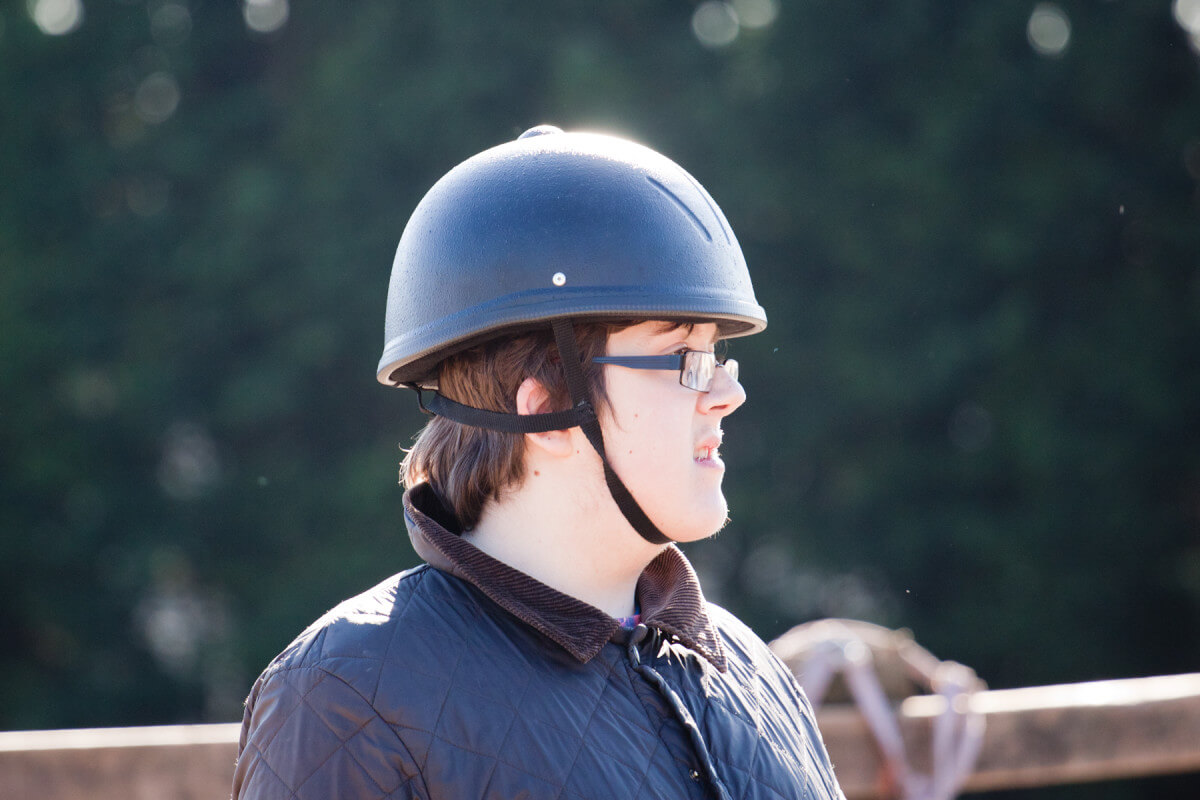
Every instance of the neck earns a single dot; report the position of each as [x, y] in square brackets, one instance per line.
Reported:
[564, 533]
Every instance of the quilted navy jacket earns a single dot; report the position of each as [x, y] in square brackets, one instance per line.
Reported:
[464, 678]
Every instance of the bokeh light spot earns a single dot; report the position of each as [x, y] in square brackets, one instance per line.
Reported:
[189, 465]
[170, 24]
[756, 13]
[56, 17]
[90, 392]
[181, 621]
[1049, 30]
[715, 23]
[1187, 14]
[265, 16]
[156, 98]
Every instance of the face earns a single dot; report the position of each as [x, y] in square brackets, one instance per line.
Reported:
[662, 437]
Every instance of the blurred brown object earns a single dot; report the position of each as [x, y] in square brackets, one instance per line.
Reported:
[875, 668]
[1037, 736]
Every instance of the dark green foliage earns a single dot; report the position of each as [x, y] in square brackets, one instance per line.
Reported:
[974, 413]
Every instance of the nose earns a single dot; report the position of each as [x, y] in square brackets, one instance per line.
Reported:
[723, 397]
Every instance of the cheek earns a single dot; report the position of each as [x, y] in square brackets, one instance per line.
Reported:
[655, 443]
[648, 420]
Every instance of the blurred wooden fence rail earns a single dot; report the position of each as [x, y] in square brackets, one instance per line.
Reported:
[170, 762]
[1035, 737]
[1041, 736]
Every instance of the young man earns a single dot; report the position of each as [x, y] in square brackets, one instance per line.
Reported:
[556, 301]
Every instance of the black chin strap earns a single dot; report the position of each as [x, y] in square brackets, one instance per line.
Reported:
[581, 413]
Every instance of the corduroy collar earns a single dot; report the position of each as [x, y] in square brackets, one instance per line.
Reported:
[668, 592]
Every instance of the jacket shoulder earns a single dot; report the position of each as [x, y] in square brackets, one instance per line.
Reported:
[307, 733]
[752, 661]
[357, 638]
[736, 634]
[312, 717]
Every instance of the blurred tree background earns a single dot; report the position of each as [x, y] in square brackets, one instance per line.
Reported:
[975, 413]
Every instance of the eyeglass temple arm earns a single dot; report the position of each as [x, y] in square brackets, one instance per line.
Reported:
[674, 361]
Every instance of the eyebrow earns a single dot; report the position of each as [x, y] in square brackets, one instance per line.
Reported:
[668, 326]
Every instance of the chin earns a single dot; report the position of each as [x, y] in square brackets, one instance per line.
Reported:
[700, 526]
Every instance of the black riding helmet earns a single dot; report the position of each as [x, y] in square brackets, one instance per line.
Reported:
[549, 229]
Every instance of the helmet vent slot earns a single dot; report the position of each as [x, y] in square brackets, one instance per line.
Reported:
[683, 206]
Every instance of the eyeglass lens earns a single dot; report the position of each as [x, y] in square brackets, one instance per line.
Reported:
[700, 367]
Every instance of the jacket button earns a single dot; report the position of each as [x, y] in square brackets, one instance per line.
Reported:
[695, 775]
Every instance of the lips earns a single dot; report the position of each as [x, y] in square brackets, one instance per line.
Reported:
[706, 450]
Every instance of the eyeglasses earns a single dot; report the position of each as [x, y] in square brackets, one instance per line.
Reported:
[697, 368]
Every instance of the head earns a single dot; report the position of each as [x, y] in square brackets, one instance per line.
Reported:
[551, 231]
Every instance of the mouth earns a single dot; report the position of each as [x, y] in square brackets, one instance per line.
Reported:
[707, 451]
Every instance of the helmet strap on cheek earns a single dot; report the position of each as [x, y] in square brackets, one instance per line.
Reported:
[564, 337]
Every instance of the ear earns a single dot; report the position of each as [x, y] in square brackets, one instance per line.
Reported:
[532, 398]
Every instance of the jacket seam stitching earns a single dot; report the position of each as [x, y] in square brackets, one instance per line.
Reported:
[582, 741]
[375, 713]
[511, 724]
[261, 751]
[393, 617]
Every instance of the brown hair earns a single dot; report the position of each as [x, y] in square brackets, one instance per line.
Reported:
[467, 466]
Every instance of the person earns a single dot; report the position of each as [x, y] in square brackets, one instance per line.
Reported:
[556, 303]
